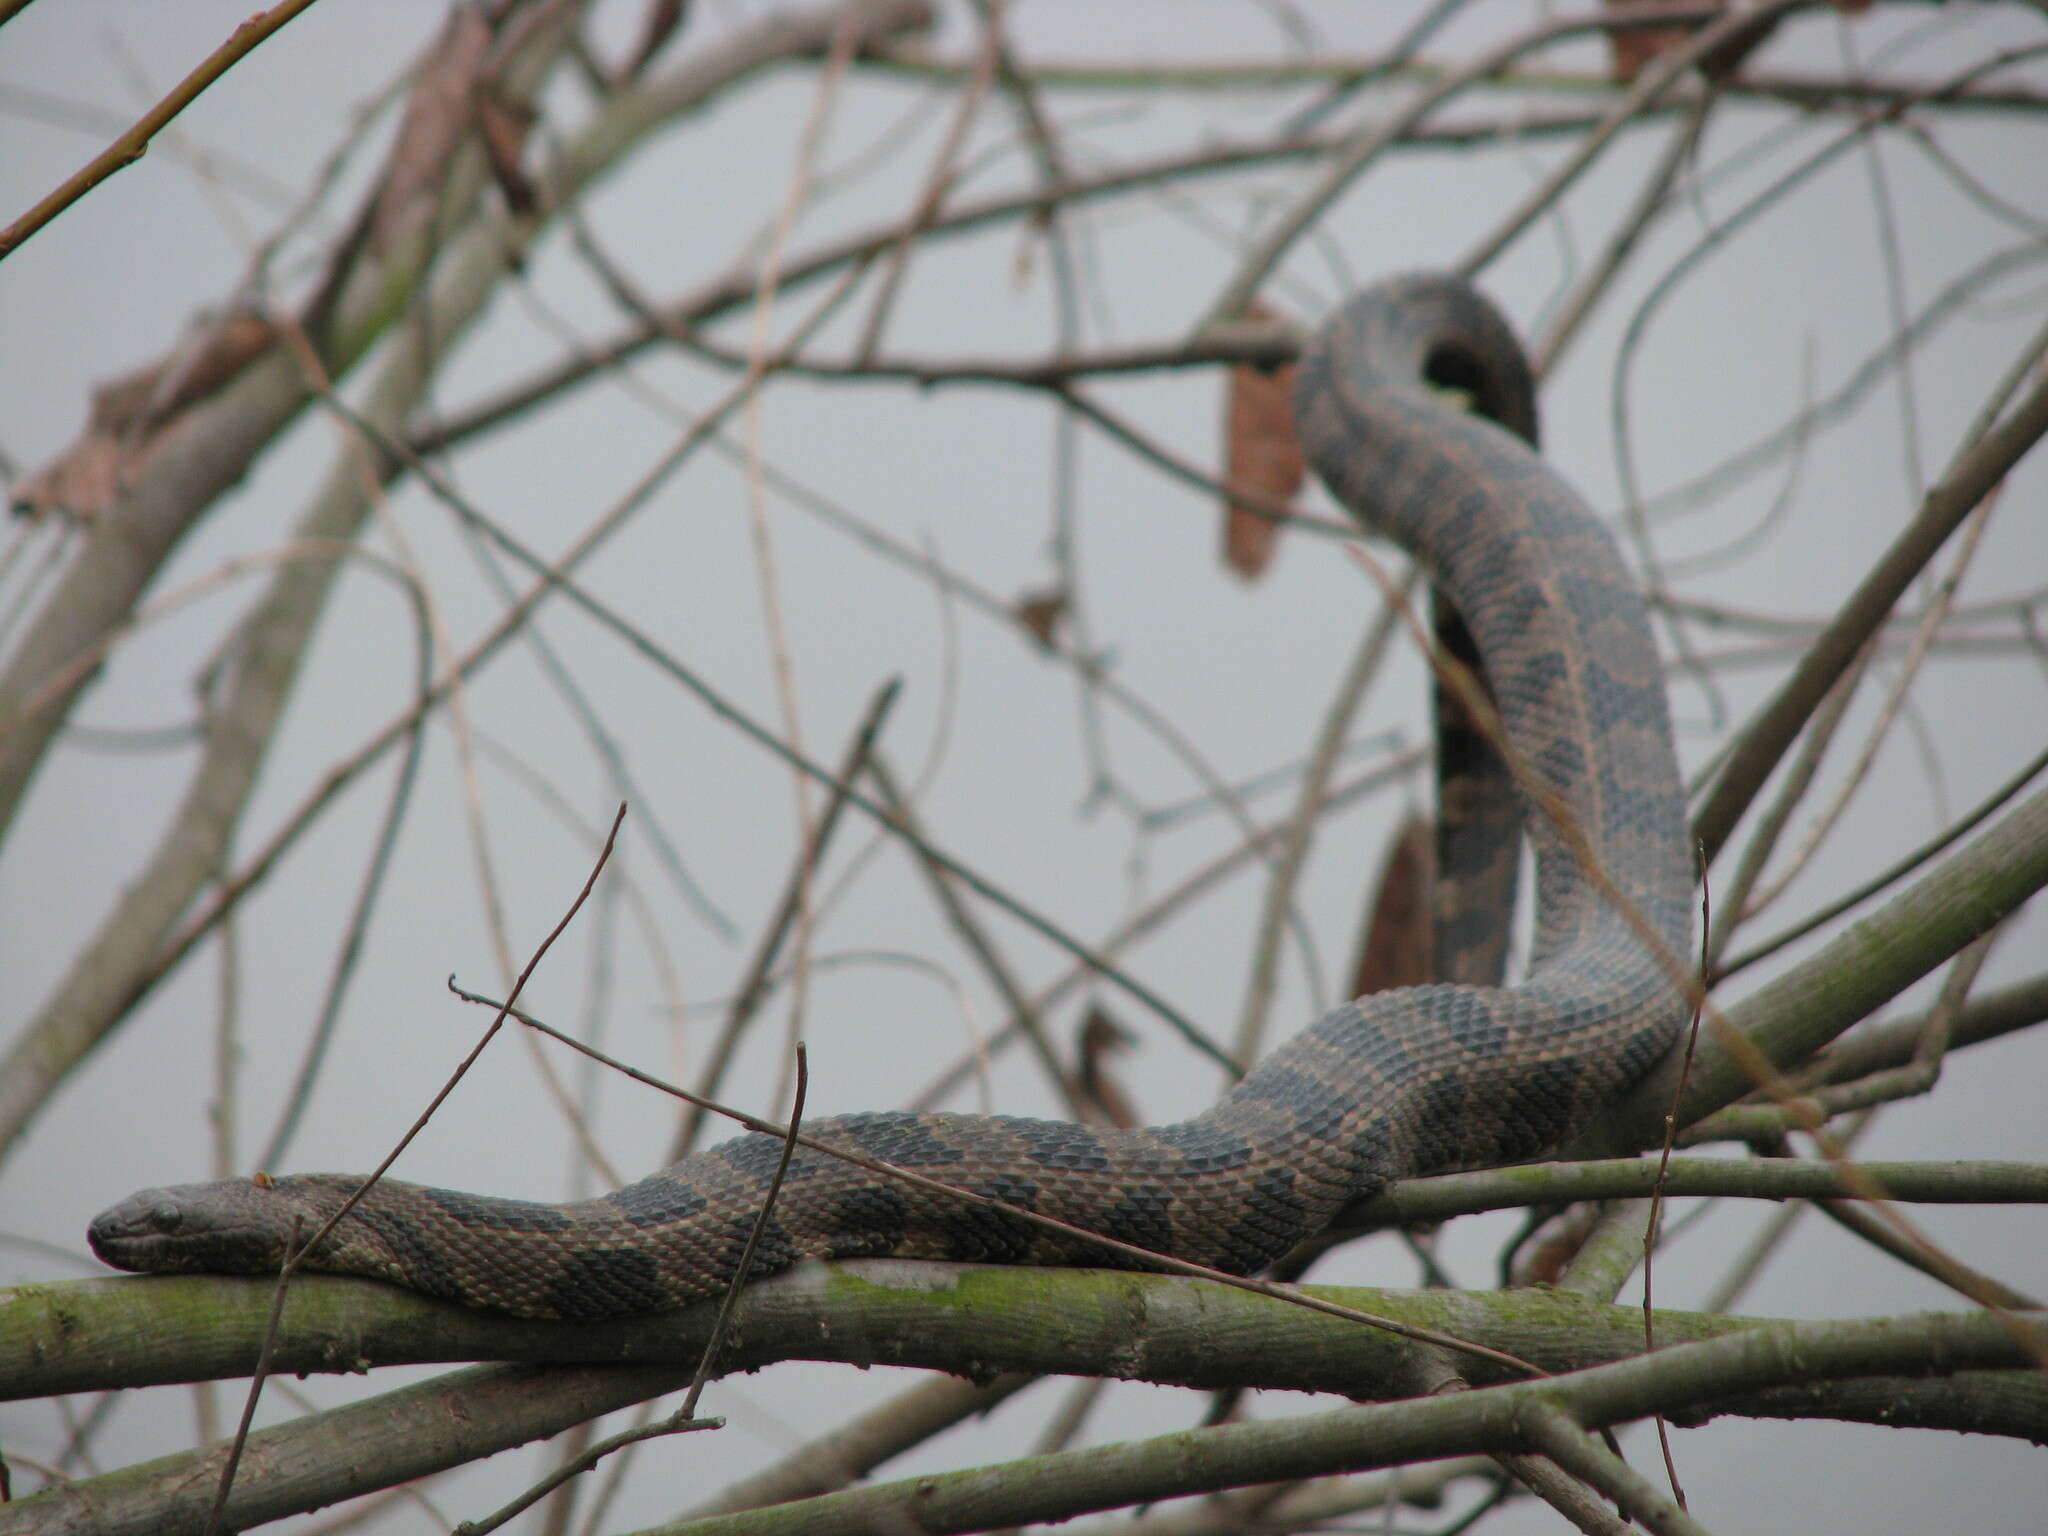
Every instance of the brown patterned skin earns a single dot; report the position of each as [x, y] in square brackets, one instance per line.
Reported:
[1397, 1084]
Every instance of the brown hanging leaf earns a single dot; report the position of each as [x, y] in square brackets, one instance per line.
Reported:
[662, 19]
[1394, 950]
[1042, 613]
[1632, 50]
[503, 128]
[129, 415]
[1103, 1100]
[1261, 456]
[1545, 1261]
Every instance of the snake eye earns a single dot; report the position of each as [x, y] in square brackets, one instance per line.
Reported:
[166, 1217]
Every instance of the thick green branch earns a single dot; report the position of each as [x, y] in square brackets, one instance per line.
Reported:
[1779, 722]
[1060, 1486]
[971, 1320]
[1874, 960]
[1460, 1194]
[979, 1321]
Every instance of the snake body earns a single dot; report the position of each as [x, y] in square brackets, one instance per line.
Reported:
[1397, 1084]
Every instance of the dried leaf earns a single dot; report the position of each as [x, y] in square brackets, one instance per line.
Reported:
[1633, 50]
[1261, 456]
[663, 17]
[1545, 1261]
[1724, 61]
[1104, 1101]
[129, 414]
[1394, 949]
[503, 128]
[1042, 613]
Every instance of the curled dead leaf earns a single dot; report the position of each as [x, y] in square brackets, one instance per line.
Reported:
[1261, 456]
[1041, 613]
[503, 127]
[659, 24]
[1394, 949]
[1632, 50]
[130, 413]
[1103, 1099]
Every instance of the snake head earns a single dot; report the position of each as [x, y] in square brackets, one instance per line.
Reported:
[232, 1227]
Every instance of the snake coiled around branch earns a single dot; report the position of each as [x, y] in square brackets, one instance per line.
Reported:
[1397, 1084]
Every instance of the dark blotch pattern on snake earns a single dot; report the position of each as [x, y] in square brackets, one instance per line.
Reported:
[1400, 1083]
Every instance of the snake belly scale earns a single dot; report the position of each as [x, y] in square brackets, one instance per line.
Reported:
[1397, 1084]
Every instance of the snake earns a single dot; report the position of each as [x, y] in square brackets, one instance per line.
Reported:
[1394, 1085]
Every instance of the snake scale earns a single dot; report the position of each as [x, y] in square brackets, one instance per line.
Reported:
[1400, 1083]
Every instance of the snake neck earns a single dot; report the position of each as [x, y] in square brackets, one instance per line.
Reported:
[1560, 626]
[474, 1250]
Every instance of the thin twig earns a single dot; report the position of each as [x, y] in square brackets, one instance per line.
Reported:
[295, 1252]
[753, 987]
[1792, 788]
[722, 1324]
[937, 184]
[1365, 146]
[264, 1353]
[1656, 1216]
[134, 144]
[685, 1418]
[1651, 85]
[1281, 882]
[1261, 844]
[1565, 1441]
[1933, 612]
[383, 848]
[1026, 1019]
[1594, 283]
